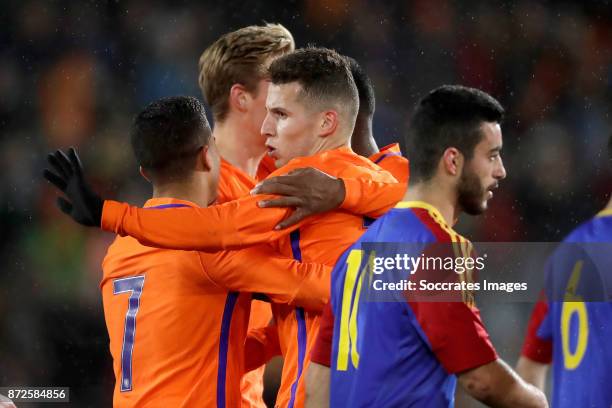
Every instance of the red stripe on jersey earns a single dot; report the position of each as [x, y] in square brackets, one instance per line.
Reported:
[322, 350]
[455, 333]
[436, 229]
[536, 348]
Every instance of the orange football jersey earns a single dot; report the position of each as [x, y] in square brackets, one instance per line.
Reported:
[177, 320]
[241, 223]
[233, 184]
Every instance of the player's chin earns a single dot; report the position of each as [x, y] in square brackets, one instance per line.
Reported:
[279, 161]
[475, 207]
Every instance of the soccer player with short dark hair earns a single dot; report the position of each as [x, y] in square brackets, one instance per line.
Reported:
[574, 333]
[177, 320]
[407, 353]
[362, 141]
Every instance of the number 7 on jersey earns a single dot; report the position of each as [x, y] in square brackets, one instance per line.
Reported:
[132, 285]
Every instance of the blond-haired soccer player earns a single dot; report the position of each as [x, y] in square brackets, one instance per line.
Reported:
[232, 77]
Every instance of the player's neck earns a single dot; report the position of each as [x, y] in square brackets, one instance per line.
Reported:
[362, 141]
[237, 147]
[436, 196]
[195, 192]
[329, 143]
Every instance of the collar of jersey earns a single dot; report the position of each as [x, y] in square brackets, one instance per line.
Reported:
[420, 204]
[229, 166]
[337, 150]
[605, 213]
[154, 202]
[391, 148]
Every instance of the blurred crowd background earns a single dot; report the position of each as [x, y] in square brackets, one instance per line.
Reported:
[75, 72]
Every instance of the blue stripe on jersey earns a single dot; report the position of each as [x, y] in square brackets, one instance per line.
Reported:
[384, 156]
[301, 321]
[295, 245]
[162, 206]
[299, 315]
[396, 366]
[228, 311]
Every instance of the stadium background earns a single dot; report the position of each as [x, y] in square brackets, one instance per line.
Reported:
[74, 73]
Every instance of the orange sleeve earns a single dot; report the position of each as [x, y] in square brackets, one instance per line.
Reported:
[260, 346]
[260, 269]
[398, 166]
[232, 225]
[372, 197]
[390, 158]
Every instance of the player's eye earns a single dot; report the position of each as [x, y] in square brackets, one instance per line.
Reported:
[278, 113]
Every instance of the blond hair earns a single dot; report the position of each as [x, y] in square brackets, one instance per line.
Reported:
[239, 57]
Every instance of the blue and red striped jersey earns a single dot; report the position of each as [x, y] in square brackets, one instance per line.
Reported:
[400, 353]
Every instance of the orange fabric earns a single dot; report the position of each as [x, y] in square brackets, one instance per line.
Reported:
[324, 238]
[186, 296]
[390, 158]
[233, 184]
[266, 167]
[372, 198]
[261, 345]
[234, 224]
[242, 223]
[231, 225]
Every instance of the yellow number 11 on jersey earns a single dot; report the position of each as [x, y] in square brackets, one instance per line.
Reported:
[347, 342]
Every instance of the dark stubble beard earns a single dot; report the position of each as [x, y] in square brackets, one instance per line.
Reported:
[471, 193]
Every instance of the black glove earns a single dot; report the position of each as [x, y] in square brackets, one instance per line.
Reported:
[83, 204]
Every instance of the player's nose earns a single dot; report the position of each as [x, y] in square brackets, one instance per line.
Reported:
[500, 170]
[267, 127]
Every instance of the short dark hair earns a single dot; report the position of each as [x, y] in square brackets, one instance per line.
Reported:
[324, 76]
[167, 133]
[367, 100]
[449, 116]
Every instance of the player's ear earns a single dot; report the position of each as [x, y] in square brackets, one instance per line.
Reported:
[205, 158]
[328, 123]
[144, 174]
[452, 161]
[239, 98]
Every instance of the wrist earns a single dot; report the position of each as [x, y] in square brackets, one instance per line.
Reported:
[351, 193]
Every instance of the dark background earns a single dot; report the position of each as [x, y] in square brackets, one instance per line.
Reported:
[74, 73]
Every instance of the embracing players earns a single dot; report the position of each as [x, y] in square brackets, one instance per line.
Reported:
[177, 320]
[311, 109]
